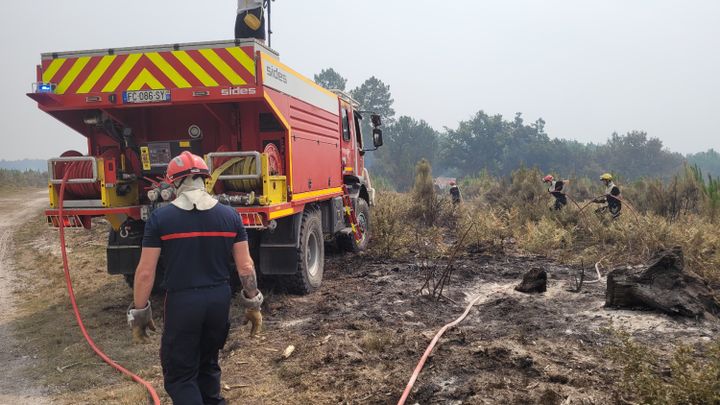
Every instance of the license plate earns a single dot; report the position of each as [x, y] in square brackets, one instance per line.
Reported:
[146, 96]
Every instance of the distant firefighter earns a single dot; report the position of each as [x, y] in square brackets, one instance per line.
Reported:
[612, 197]
[557, 189]
[455, 193]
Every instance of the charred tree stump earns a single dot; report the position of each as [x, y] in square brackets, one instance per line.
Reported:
[662, 284]
[534, 281]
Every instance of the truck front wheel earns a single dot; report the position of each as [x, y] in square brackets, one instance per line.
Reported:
[310, 254]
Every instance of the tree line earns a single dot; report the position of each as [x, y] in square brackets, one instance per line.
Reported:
[27, 178]
[497, 145]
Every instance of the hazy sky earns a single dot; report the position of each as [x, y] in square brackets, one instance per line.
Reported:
[587, 67]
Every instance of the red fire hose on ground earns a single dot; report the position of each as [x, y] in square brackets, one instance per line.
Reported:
[430, 348]
[103, 356]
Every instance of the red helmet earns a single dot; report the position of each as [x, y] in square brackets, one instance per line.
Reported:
[548, 178]
[186, 164]
[452, 182]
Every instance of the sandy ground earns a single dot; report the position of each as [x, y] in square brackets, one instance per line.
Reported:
[14, 387]
[356, 340]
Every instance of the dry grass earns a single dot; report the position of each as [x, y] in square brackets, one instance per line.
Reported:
[391, 215]
[514, 213]
[399, 229]
[65, 364]
[16, 180]
[376, 341]
[488, 227]
[690, 376]
[630, 240]
[678, 214]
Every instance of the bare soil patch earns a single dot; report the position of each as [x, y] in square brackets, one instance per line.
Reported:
[14, 357]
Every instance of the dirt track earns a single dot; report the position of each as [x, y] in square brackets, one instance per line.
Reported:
[357, 340]
[14, 388]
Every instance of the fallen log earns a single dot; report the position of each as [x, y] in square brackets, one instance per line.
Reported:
[662, 284]
[534, 281]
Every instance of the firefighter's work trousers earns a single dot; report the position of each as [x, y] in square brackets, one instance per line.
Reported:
[196, 327]
[560, 201]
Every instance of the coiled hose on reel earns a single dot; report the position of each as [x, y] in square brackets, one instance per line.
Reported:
[77, 170]
[246, 165]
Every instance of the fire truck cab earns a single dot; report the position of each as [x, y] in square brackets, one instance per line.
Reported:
[286, 153]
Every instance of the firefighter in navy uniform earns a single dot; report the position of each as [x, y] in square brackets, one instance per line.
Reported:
[557, 190]
[612, 197]
[197, 237]
[455, 195]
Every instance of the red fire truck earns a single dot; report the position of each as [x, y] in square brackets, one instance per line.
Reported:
[286, 153]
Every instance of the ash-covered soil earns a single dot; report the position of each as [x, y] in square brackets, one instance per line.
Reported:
[356, 340]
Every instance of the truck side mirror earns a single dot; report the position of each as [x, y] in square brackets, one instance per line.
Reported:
[377, 138]
[376, 120]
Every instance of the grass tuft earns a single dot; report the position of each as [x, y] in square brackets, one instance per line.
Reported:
[690, 376]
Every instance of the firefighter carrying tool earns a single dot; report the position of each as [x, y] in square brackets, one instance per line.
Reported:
[612, 197]
[556, 189]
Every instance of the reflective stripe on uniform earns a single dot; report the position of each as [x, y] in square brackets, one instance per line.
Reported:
[187, 235]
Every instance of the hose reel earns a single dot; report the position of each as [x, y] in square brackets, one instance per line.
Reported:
[242, 171]
[93, 181]
[243, 166]
[82, 175]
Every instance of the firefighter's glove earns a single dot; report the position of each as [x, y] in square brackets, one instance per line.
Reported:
[252, 311]
[254, 302]
[140, 320]
[254, 317]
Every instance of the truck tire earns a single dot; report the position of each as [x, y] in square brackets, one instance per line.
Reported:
[310, 255]
[362, 213]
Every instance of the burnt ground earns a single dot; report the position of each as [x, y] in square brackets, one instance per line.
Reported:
[356, 340]
[359, 339]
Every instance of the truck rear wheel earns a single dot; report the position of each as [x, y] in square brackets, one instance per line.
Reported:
[362, 214]
[310, 255]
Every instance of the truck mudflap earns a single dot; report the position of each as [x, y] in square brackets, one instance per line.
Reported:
[122, 259]
[278, 248]
[124, 247]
